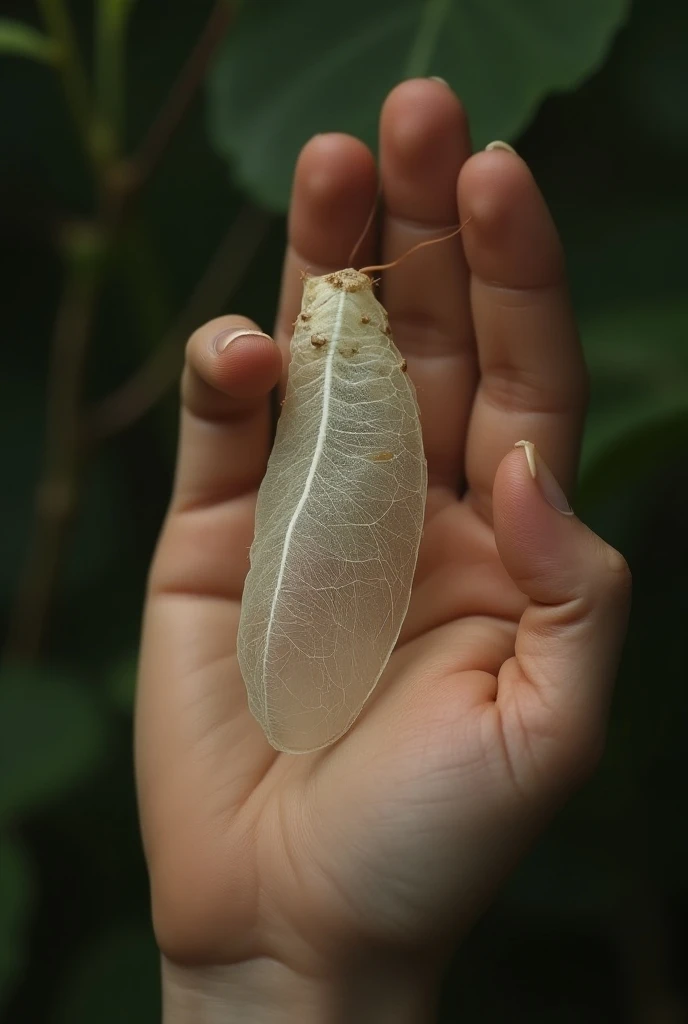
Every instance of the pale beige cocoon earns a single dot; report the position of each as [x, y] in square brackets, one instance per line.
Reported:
[338, 521]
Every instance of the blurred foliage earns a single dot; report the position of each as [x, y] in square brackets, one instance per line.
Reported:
[327, 75]
[93, 990]
[638, 411]
[21, 40]
[67, 734]
[594, 926]
[16, 899]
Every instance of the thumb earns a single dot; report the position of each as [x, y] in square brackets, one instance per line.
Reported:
[570, 636]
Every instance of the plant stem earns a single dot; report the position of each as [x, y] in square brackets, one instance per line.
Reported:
[153, 378]
[57, 489]
[85, 252]
[74, 79]
[182, 93]
[83, 247]
[111, 21]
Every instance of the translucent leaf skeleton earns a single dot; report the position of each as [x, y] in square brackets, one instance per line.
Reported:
[339, 519]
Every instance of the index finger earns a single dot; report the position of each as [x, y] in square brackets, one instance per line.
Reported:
[335, 189]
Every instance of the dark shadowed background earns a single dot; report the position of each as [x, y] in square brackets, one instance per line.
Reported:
[108, 263]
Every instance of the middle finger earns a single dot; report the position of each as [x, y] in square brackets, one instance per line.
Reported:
[424, 142]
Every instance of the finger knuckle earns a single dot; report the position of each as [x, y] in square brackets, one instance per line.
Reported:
[618, 570]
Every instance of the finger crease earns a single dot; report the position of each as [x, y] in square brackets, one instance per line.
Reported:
[240, 487]
[420, 335]
[421, 226]
[529, 293]
[227, 415]
[511, 394]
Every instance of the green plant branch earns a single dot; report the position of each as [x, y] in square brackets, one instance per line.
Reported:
[151, 151]
[56, 498]
[74, 79]
[83, 248]
[111, 20]
[86, 251]
[20, 40]
[158, 373]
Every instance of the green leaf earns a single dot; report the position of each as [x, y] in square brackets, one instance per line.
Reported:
[638, 358]
[117, 978]
[52, 735]
[16, 903]
[289, 70]
[20, 40]
[652, 75]
[628, 450]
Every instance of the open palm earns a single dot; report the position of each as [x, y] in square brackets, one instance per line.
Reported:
[494, 701]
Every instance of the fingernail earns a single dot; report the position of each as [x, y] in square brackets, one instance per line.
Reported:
[223, 340]
[498, 144]
[543, 475]
[436, 78]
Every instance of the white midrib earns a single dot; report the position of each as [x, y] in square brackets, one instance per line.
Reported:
[319, 446]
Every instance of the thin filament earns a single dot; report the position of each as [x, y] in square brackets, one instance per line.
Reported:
[414, 248]
[368, 224]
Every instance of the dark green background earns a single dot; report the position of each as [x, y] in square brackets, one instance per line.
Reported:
[594, 927]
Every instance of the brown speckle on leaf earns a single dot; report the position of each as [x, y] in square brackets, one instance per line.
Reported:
[304, 316]
[318, 340]
[350, 280]
[404, 366]
[387, 330]
[365, 319]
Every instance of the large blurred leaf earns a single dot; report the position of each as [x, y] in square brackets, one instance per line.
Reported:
[115, 979]
[652, 74]
[638, 358]
[20, 40]
[52, 735]
[289, 70]
[630, 252]
[629, 448]
[16, 899]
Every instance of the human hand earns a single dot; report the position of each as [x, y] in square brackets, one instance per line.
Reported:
[299, 885]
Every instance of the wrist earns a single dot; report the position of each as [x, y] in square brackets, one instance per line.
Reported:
[265, 991]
